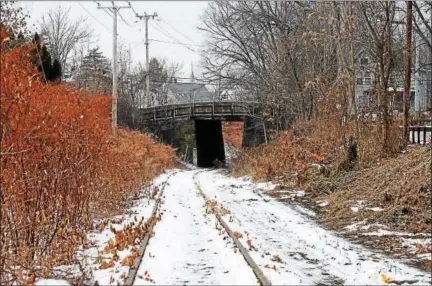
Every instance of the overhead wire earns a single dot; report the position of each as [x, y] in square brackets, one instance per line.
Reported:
[175, 43]
[124, 21]
[167, 34]
[133, 10]
[94, 17]
[175, 29]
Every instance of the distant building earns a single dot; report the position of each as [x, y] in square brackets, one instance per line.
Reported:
[172, 93]
[420, 87]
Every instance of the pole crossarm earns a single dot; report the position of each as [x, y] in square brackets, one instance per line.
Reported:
[114, 9]
[147, 17]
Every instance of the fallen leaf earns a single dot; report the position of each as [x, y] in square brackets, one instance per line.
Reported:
[128, 260]
[238, 234]
[387, 279]
[106, 265]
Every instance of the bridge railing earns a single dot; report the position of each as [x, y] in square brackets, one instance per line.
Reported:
[199, 108]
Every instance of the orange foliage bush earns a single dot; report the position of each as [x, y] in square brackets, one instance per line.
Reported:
[314, 141]
[60, 164]
[290, 152]
[233, 133]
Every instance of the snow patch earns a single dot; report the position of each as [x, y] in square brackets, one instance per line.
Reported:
[322, 203]
[267, 186]
[360, 205]
[293, 195]
[383, 232]
[49, 282]
[375, 209]
[412, 243]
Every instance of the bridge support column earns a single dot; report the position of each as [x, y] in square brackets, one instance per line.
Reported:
[253, 132]
[209, 142]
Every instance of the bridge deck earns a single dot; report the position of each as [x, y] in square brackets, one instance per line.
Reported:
[223, 110]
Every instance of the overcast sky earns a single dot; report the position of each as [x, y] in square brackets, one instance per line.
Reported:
[184, 16]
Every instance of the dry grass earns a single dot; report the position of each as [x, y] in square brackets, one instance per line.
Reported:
[398, 185]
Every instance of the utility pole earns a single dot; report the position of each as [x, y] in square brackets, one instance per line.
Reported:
[146, 18]
[408, 61]
[114, 9]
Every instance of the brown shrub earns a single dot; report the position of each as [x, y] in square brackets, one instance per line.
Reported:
[60, 164]
[321, 140]
[233, 133]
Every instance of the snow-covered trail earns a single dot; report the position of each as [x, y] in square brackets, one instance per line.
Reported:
[187, 248]
[291, 248]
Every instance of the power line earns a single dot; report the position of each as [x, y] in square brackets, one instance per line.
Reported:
[94, 17]
[125, 21]
[167, 34]
[172, 27]
[175, 43]
[133, 10]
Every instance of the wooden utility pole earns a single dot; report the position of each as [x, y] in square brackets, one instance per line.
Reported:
[146, 18]
[408, 61]
[114, 9]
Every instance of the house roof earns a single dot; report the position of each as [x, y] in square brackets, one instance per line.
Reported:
[183, 91]
[186, 87]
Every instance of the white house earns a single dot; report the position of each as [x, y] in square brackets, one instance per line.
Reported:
[419, 84]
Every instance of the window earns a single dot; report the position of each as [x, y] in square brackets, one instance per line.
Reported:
[368, 78]
[359, 81]
[364, 61]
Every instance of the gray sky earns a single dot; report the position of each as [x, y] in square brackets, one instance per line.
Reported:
[184, 16]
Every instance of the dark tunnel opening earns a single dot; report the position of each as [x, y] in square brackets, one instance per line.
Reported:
[209, 143]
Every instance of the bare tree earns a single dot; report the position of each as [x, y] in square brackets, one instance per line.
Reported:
[278, 52]
[62, 33]
[13, 17]
[379, 18]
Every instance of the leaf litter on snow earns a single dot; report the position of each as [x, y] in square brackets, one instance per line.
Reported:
[113, 244]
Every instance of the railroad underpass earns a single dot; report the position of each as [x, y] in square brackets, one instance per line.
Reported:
[209, 143]
[207, 118]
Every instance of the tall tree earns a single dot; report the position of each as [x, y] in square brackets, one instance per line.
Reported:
[63, 33]
[95, 73]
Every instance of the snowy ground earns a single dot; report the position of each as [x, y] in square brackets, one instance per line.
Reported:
[190, 248]
[288, 240]
[187, 248]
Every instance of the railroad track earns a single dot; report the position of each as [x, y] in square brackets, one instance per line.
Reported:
[134, 270]
[263, 280]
